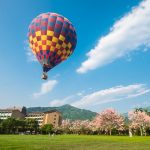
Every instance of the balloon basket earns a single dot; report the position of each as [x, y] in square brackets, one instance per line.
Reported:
[44, 76]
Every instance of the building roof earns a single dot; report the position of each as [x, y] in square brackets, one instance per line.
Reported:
[34, 113]
[10, 109]
[52, 111]
[6, 110]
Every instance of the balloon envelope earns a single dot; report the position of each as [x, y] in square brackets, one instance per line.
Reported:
[52, 39]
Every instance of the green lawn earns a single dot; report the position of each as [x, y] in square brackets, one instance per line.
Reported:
[73, 142]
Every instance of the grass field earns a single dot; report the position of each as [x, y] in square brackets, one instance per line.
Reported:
[73, 142]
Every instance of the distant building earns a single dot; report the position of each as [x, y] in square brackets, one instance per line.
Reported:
[38, 116]
[14, 112]
[53, 117]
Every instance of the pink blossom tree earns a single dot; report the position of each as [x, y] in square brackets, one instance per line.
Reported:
[109, 119]
[66, 125]
[80, 126]
[139, 120]
[76, 126]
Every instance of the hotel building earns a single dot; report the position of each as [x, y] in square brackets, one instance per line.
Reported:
[53, 117]
[14, 112]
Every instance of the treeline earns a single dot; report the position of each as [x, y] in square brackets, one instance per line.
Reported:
[107, 122]
[27, 126]
[110, 122]
[12, 126]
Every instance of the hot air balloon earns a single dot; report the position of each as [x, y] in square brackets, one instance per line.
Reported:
[52, 39]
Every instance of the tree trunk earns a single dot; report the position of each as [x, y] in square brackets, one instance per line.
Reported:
[130, 132]
[141, 131]
[110, 132]
[144, 130]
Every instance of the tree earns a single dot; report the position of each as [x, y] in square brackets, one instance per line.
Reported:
[139, 120]
[107, 120]
[1, 126]
[66, 126]
[75, 126]
[32, 125]
[81, 126]
[9, 125]
[143, 110]
[20, 125]
[47, 128]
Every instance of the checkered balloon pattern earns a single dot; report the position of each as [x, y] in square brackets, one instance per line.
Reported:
[52, 39]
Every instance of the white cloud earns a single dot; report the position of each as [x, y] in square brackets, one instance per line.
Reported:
[30, 56]
[56, 103]
[67, 100]
[112, 94]
[81, 93]
[45, 88]
[60, 102]
[130, 33]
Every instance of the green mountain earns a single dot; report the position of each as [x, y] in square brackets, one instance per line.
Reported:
[68, 112]
[148, 108]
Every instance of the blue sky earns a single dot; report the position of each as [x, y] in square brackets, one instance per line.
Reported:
[109, 67]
